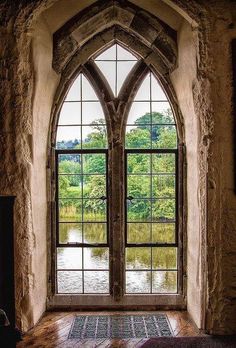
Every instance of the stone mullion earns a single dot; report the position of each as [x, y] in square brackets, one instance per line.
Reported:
[117, 218]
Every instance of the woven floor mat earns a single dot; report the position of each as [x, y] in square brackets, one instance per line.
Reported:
[120, 326]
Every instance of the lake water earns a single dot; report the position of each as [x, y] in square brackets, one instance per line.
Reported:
[86, 270]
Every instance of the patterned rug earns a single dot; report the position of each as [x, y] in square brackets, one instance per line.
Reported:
[120, 326]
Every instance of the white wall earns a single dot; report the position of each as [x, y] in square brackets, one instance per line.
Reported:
[45, 84]
[183, 79]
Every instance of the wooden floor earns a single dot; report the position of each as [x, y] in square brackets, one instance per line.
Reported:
[53, 329]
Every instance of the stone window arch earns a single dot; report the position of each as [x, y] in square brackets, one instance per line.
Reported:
[116, 103]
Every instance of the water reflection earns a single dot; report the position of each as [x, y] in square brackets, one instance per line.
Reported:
[89, 259]
[85, 270]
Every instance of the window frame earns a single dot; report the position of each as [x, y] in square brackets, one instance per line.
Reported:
[77, 244]
[80, 152]
[109, 103]
[154, 151]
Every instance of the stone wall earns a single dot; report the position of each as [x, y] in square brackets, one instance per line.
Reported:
[221, 198]
[203, 85]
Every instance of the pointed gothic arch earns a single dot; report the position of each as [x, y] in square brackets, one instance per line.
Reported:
[116, 109]
[101, 16]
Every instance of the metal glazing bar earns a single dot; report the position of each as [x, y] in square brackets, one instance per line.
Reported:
[152, 269]
[80, 151]
[82, 269]
[151, 124]
[80, 125]
[161, 245]
[114, 60]
[82, 245]
[155, 151]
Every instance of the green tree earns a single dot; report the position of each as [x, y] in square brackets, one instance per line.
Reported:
[63, 185]
[94, 164]
[138, 138]
[138, 186]
[97, 139]
[167, 138]
[156, 119]
[67, 166]
[138, 163]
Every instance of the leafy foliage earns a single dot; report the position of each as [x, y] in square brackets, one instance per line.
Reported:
[92, 187]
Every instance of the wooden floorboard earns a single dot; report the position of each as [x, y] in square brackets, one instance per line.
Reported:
[53, 329]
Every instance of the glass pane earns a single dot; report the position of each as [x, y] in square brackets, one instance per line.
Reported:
[163, 163]
[109, 71]
[96, 258]
[138, 258]
[138, 282]
[144, 90]
[162, 114]
[69, 164]
[70, 210]
[94, 186]
[163, 233]
[138, 233]
[92, 114]
[164, 258]
[74, 93]
[164, 137]
[94, 163]
[68, 137]
[108, 54]
[139, 210]
[138, 137]
[157, 91]
[88, 92]
[163, 186]
[163, 210]
[94, 210]
[69, 186]
[139, 186]
[138, 163]
[96, 282]
[139, 113]
[123, 54]
[95, 233]
[70, 114]
[94, 137]
[69, 282]
[123, 69]
[70, 233]
[69, 258]
[164, 282]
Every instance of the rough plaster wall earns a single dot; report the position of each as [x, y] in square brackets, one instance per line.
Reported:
[183, 80]
[16, 153]
[221, 316]
[212, 95]
[45, 86]
[62, 11]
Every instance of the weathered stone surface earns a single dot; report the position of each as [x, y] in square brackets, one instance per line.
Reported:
[203, 86]
[212, 104]
[150, 30]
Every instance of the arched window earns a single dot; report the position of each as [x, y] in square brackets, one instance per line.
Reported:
[151, 160]
[117, 182]
[81, 157]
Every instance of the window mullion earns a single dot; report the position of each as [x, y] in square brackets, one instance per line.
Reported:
[117, 221]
